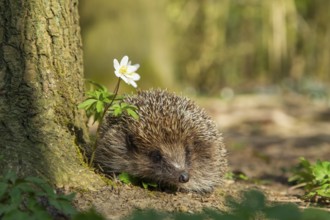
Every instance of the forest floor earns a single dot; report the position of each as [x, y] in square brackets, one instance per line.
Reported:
[265, 135]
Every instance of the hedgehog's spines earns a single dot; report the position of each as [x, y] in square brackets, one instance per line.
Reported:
[184, 138]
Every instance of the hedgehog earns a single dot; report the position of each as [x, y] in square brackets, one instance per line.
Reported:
[173, 143]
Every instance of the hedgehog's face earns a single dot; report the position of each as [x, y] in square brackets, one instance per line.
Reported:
[189, 164]
[165, 163]
[169, 166]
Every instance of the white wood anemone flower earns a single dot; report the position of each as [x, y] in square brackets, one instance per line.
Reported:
[126, 71]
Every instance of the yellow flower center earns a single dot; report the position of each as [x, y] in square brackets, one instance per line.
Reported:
[123, 70]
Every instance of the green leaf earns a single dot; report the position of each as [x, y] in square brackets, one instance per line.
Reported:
[21, 199]
[283, 212]
[7, 208]
[132, 113]
[41, 215]
[242, 176]
[146, 185]
[32, 205]
[35, 180]
[133, 107]
[97, 117]
[303, 173]
[68, 197]
[91, 94]
[305, 163]
[115, 105]
[117, 109]
[11, 177]
[98, 94]
[125, 178]
[64, 206]
[123, 105]
[25, 187]
[229, 175]
[317, 214]
[15, 197]
[3, 189]
[321, 170]
[16, 214]
[106, 100]
[87, 103]
[315, 177]
[99, 106]
[43, 185]
[324, 190]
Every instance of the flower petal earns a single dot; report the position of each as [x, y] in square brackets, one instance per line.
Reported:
[115, 64]
[124, 61]
[133, 83]
[134, 76]
[133, 68]
[124, 78]
[117, 73]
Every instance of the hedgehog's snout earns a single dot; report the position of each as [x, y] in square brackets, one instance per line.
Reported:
[184, 177]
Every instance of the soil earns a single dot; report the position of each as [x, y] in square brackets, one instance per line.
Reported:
[265, 135]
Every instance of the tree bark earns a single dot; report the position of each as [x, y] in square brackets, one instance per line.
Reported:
[41, 84]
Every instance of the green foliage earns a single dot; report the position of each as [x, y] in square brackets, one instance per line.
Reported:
[236, 176]
[129, 179]
[147, 185]
[253, 205]
[118, 109]
[229, 176]
[99, 100]
[29, 198]
[315, 178]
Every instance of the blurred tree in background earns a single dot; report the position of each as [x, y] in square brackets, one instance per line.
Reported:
[207, 45]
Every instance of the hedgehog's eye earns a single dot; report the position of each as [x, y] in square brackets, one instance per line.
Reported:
[188, 155]
[188, 152]
[198, 143]
[155, 156]
[130, 143]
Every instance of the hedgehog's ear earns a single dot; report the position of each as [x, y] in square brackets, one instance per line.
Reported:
[130, 143]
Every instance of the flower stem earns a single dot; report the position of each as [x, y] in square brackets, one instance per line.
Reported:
[101, 120]
[114, 97]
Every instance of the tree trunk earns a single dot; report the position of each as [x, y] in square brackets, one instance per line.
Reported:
[41, 83]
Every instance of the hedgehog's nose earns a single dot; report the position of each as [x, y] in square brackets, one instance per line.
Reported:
[184, 177]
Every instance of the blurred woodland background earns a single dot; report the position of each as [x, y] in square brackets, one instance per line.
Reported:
[211, 47]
